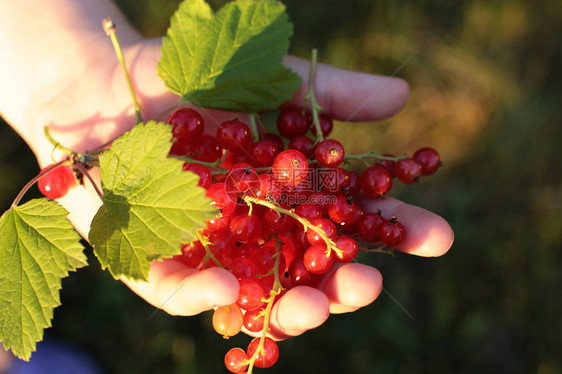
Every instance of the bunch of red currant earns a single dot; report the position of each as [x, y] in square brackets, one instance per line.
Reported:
[284, 215]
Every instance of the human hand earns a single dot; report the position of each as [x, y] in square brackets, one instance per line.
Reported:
[85, 101]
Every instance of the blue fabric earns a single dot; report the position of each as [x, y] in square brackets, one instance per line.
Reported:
[54, 357]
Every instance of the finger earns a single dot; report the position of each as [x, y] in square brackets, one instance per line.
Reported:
[351, 286]
[300, 309]
[180, 290]
[343, 94]
[427, 234]
[349, 95]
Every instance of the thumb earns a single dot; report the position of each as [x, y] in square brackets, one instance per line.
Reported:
[180, 290]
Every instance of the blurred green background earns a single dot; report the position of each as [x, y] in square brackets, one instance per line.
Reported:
[486, 91]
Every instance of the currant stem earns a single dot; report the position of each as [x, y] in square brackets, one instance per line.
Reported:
[213, 165]
[254, 126]
[316, 108]
[276, 290]
[109, 27]
[330, 244]
[56, 144]
[102, 147]
[35, 179]
[276, 279]
[85, 172]
[385, 250]
[263, 169]
[370, 154]
[208, 254]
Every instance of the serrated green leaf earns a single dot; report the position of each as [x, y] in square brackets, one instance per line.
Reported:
[231, 61]
[150, 205]
[38, 247]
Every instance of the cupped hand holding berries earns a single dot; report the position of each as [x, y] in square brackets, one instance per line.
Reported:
[85, 100]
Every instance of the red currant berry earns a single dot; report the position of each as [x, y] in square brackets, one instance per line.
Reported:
[354, 185]
[303, 144]
[391, 232]
[288, 250]
[243, 267]
[268, 357]
[388, 165]
[219, 222]
[187, 124]
[228, 320]
[271, 189]
[264, 152]
[342, 180]
[376, 181]
[343, 209]
[326, 125]
[192, 254]
[348, 247]
[330, 153]
[340, 209]
[265, 258]
[241, 181]
[222, 247]
[301, 240]
[326, 225]
[428, 158]
[298, 194]
[309, 211]
[408, 170]
[254, 320]
[267, 283]
[251, 294]
[321, 199]
[356, 214]
[182, 147]
[245, 228]
[236, 360]
[334, 183]
[316, 259]
[368, 226]
[242, 156]
[57, 182]
[290, 168]
[233, 135]
[217, 192]
[275, 139]
[207, 149]
[299, 274]
[278, 223]
[292, 123]
[205, 178]
[246, 250]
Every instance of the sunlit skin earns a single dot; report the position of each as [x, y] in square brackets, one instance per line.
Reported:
[58, 68]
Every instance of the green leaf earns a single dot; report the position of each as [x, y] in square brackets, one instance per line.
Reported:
[38, 247]
[231, 61]
[150, 206]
